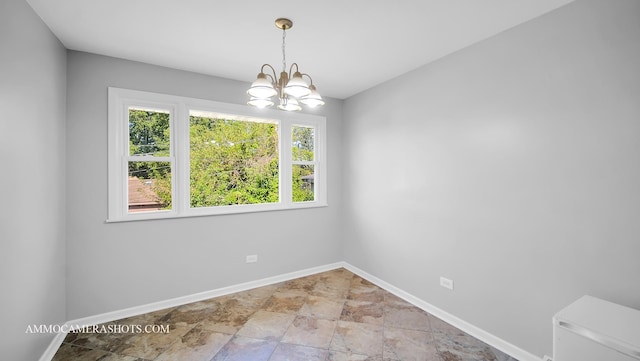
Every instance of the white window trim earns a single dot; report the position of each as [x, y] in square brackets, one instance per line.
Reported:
[119, 101]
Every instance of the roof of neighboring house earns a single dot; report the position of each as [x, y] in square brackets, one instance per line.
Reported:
[141, 194]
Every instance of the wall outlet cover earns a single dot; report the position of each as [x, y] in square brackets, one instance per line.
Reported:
[446, 283]
[252, 258]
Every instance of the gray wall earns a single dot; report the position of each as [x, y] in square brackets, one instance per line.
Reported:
[117, 265]
[511, 167]
[32, 216]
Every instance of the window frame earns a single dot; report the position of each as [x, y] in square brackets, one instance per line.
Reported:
[119, 101]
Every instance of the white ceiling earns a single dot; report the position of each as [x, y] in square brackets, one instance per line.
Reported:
[347, 46]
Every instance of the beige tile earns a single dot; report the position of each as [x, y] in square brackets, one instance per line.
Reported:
[501, 356]
[363, 290]
[288, 352]
[145, 318]
[358, 338]
[363, 311]
[199, 344]
[349, 356]
[370, 294]
[227, 320]
[267, 325]
[101, 341]
[304, 284]
[470, 355]
[245, 349]
[150, 345]
[289, 301]
[188, 315]
[409, 345]
[437, 325]
[328, 290]
[309, 331]
[455, 344]
[322, 307]
[332, 284]
[394, 301]
[114, 357]
[68, 352]
[359, 282]
[337, 273]
[253, 298]
[405, 315]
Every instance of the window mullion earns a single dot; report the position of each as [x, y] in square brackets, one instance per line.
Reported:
[117, 162]
[182, 159]
[150, 158]
[304, 162]
[320, 162]
[285, 164]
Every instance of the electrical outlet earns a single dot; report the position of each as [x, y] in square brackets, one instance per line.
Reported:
[252, 258]
[446, 283]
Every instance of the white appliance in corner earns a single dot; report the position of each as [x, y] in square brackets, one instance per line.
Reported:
[592, 329]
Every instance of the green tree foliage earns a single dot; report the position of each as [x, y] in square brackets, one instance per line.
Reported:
[302, 149]
[233, 162]
[302, 184]
[302, 141]
[149, 135]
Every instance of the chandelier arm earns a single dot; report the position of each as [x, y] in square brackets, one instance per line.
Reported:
[273, 78]
[308, 76]
[291, 69]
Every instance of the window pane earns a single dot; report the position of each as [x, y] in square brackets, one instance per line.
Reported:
[302, 143]
[149, 132]
[303, 183]
[232, 161]
[149, 186]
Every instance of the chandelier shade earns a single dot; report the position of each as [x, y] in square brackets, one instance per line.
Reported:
[260, 102]
[296, 86]
[262, 87]
[291, 87]
[313, 99]
[290, 105]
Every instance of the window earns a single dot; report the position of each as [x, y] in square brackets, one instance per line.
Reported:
[172, 156]
[303, 163]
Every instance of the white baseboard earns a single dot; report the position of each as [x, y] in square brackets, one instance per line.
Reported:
[474, 331]
[179, 301]
[53, 347]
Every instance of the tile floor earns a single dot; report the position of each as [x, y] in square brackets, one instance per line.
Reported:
[330, 316]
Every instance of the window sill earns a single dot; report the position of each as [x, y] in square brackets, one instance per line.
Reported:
[218, 211]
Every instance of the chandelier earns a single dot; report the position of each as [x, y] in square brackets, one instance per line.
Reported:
[290, 89]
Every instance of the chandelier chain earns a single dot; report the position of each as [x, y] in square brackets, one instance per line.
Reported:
[284, 59]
